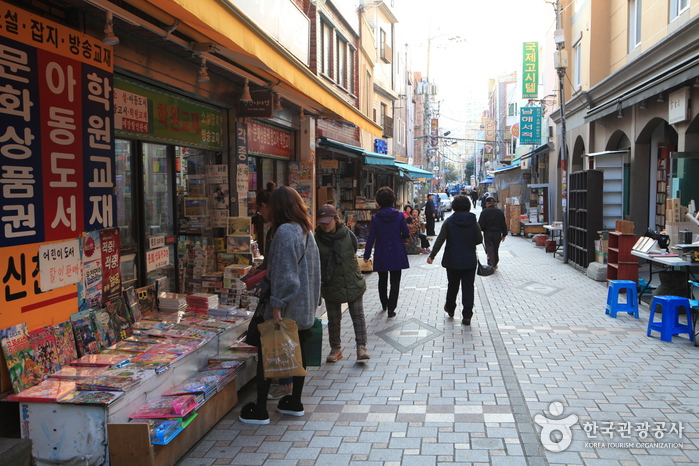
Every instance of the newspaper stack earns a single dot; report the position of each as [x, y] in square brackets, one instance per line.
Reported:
[172, 302]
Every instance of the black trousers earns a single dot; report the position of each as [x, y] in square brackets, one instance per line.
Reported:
[389, 300]
[465, 279]
[491, 240]
[429, 219]
[424, 242]
[263, 384]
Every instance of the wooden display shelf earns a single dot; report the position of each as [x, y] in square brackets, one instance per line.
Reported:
[129, 443]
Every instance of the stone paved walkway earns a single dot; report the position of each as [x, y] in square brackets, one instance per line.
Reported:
[435, 391]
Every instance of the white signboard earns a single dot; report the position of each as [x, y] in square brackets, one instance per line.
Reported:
[677, 106]
[217, 174]
[242, 179]
[157, 258]
[59, 264]
[156, 242]
[130, 111]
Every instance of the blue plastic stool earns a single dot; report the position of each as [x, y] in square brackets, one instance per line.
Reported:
[613, 304]
[669, 324]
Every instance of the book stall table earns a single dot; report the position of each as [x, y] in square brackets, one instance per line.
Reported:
[662, 262]
[556, 234]
[99, 434]
[533, 228]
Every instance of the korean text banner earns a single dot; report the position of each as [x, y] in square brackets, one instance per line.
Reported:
[154, 115]
[57, 179]
[530, 71]
[530, 125]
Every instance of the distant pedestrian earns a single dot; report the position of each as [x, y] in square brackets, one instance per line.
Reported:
[462, 234]
[474, 197]
[341, 280]
[430, 215]
[494, 227]
[483, 198]
[386, 236]
[407, 210]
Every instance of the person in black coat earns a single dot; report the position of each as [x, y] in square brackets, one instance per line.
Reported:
[474, 197]
[462, 234]
[483, 198]
[430, 215]
[494, 227]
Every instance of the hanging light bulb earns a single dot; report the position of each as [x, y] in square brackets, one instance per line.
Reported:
[109, 37]
[245, 96]
[661, 98]
[203, 75]
[620, 113]
[302, 116]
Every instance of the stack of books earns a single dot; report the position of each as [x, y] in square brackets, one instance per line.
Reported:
[91, 397]
[166, 407]
[48, 391]
[206, 385]
[201, 302]
[77, 373]
[101, 360]
[172, 302]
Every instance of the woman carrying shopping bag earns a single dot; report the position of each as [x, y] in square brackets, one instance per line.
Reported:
[341, 281]
[293, 268]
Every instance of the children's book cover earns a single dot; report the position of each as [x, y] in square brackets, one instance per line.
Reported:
[104, 333]
[108, 382]
[19, 356]
[147, 300]
[45, 351]
[102, 359]
[156, 358]
[65, 343]
[48, 391]
[239, 244]
[239, 226]
[91, 397]
[132, 303]
[84, 331]
[77, 373]
[119, 318]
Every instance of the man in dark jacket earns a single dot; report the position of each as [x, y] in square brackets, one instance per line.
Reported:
[462, 234]
[494, 227]
[474, 197]
[430, 215]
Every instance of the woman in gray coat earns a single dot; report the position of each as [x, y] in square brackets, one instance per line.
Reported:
[293, 268]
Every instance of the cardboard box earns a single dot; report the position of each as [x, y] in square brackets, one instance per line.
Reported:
[674, 212]
[601, 246]
[673, 230]
[624, 226]
[601, 257]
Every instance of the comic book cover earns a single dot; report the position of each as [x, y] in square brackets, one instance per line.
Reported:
[239, 226]
[161, 286]
[132, 303]
[48, 391]
[91, 397]
[147, 300]
[77, 373]
[65, 342]
[239, 244]
[19, 356]
[102, 360]
[84, 332]
[119, 318]
[45, 351]
[104, 333]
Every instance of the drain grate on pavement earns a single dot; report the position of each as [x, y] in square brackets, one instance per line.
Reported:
[408, 335]
[539, 288]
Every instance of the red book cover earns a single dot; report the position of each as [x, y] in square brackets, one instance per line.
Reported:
[48, 391]
[45, 350]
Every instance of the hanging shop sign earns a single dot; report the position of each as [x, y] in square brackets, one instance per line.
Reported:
[530, 71]
[434, 132]
[530, 125]
[157, 259]
[329, 164]
[110, 243]
[489, 124]
[268, 140]
[59, 264]
[678, 106]
[57, 155]
[241, 172]
[154, 115]
[261, 106]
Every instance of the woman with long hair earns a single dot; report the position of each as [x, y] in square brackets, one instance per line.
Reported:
[293, 268]
[386, 237]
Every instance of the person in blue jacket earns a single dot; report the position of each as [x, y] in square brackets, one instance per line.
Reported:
[386, 237]
[462, 234]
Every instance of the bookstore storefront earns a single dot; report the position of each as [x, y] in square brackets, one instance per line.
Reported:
[172, 186]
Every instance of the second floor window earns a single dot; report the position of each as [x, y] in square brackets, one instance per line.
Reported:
[327, 45]
[577, 65]
[341, 63]
[677, 7]
[634, 24]
[511, 109]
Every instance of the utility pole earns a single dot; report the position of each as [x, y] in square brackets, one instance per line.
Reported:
[561, 63]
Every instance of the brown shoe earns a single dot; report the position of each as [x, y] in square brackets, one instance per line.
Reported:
[335, 355]
[451, 314]
[362, 353]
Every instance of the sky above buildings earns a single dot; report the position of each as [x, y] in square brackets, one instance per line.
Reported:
[471, 41]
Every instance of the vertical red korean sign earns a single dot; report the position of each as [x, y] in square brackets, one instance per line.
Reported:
[56, 155]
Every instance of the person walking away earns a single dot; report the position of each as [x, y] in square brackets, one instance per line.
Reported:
[483, 198]
[430, 215]
[474, 198]
[294, 272]
[494, 226]
[386, 233]
[462, 234]
[341, 280]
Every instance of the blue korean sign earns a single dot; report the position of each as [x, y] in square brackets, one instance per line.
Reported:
[530, 125]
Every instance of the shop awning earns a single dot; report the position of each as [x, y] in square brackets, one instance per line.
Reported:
[228, 26]
[536, 151]
[370, 158]
[414, 172]
[506, 169]
[486, 181]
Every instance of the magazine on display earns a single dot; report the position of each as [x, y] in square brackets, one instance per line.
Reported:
[132, 303]
[84, 331]
[65, 343]
[104, 333]
[48, 391]
[43, 343]
[91, 397]
[19, 357]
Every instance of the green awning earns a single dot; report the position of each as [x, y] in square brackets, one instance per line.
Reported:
[374, 158]
[414, 172]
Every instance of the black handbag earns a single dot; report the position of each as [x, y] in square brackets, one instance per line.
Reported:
[485, 270]
[262, 291]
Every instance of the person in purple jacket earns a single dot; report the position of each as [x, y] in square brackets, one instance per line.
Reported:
[388, 228]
